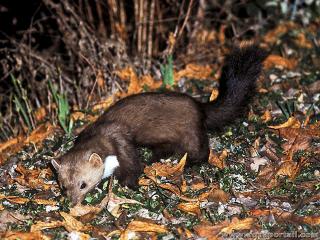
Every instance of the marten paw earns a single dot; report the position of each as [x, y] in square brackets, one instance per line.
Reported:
[131, 181]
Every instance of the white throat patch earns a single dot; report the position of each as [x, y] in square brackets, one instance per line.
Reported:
[110, 164]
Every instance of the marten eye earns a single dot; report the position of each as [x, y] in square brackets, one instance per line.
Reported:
[83, 185]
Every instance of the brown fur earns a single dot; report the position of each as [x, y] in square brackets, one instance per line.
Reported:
[166, 123]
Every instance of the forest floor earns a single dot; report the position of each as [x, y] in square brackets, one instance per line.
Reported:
[262, 179]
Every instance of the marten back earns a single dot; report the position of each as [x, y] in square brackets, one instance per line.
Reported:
[155, 118]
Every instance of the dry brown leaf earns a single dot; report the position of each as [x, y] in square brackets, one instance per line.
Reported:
[312, 220]
[218, 161]
[209, 231]
[141, 226]
[194, 71]
[45, 202]
[31, 178]
[72, 224]
[40, 133]
[288, 168]
[274, 35]
[115, 202]
[103, 105]
[190, 207]
[267, 116]
[278, 61]
[136, 84]
[184, 233]
[38, 226]
[292, 122]
[14, 145]
[218, 195]
[145, 181]
[183, 186]
[195, 186]
[214, 94]
[81, 210]
[302, 41]
[15, 199]
[259, 212]
[75, 116]
[9, 235]
[100, 79]
[40, 114]
[221, 35]
[166, 170]
[236, 224]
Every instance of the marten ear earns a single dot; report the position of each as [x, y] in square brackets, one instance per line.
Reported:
[56, 164]
[95, 160]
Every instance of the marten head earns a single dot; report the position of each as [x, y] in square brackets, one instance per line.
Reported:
[80, 171]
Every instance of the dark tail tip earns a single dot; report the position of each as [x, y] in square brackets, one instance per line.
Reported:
[241, 69]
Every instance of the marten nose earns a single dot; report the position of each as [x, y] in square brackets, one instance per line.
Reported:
[74, 200]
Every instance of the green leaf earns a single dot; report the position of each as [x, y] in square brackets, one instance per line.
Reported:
[167, 72]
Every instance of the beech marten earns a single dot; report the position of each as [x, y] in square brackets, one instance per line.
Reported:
[167, 123]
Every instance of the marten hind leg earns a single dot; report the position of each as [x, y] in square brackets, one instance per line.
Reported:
[196, 144]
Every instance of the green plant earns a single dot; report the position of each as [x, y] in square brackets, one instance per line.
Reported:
[63, 109]
[287, 107]
[167, 72]
[23, 107]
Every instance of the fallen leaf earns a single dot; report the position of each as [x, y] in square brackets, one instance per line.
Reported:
[278, 61]
[236, 224]
[80, 210]
[291, 122]
[302, 41]
[72, 224]
[23, 236]
[166, 170]
[209, 231]
[115, 202]
[45, 202]
[274, 35]
[194, 71]
[38, 226]
[218, 161]
[266, 117]
[190, 207]
[103, 105]
[100, 79]
[36, 137]
[214, 94]
[40, 114]
[141, 226]
[218, 195]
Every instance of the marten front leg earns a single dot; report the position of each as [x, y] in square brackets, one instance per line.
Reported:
[130, 166]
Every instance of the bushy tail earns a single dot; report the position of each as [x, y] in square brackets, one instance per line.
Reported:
[237, 85]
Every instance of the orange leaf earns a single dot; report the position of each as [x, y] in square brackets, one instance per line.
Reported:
[140, 226]
[275, 60]
[72, 224]
[236, 224]
[266, 117]
[166, 170]
[190, 207]
[193, 71]
[274, 35]
[38, 226]
[23, 236]
[218, 195]
[302, 41]
[40, 114]
[291, 122]
[218, 161]
[214, 94]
